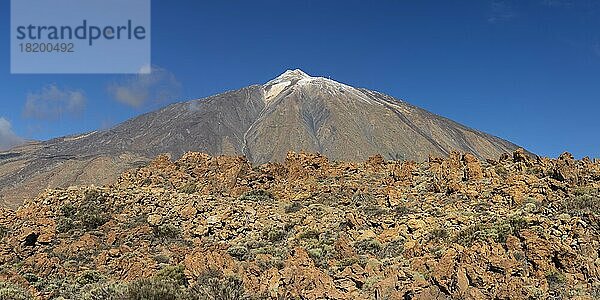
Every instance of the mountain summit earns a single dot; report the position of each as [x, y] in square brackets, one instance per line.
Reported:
[292, 112]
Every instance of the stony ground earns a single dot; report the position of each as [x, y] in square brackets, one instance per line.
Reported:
[219, 228]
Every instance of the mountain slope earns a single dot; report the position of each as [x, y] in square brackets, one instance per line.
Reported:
[311, 228]
[294, 111]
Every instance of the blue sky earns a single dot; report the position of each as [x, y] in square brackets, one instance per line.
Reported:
[527, 71]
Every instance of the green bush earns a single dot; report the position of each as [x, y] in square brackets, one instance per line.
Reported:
[189, 188]
[257, 196]
[3, 231]
[167, 232]
[401, 210]
[496, 232]
[155, 289]
[294, 207]
[274, 234]
[373, 210]
[438, 234]
[213, 285]
[392, 249]
[68, 210]
[11, 291]
[310, 234]
[91, 214]
[89, 277]
[555, 279]
[104, 291]
[238, 252]
[367, 246]
[173, 273]
[585, 200]
[56, 287]
[501, 170]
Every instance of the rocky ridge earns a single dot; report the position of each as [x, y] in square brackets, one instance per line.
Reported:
[310, 228]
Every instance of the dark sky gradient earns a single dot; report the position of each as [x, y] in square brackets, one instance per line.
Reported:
[527, 71]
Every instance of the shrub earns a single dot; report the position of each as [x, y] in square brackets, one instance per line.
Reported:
[3, 231]
[104, 291]
[238, 252]
[274, 234]
[93, 219]
[310, 234]
[30, 277]
[363, 199]
[501, 170]
[294, 207]
[438, 234]
[167, 231]
[374, 210]
[535, 170]
[173, 273]
[162, 258]
[392, 249]
[64, 225]
[348, 261]
[583, 201]
[257, 196]
[555, 279]
[91, 214]
[401, 210]
[67, 210]
[155, 289]
[213, 285]
[367, 246]
[57, 287]
[189, 188]
[497, 232]
[10, 291]
[89, 277]
[315, 253]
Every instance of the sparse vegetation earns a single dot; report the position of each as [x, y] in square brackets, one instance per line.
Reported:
[167, 231]
[238, 252]
[153, 288]
[189, 188]
[274, 233]
[501, 170]
[173, 273]
[392, 249]
[584, 200]
[310, 234]
[257, 196]
[439, 235]
[368, 246]
[363, 231]
[90, 215]
[497, 232]
[294, 207]
[3, 231]
[214, 285]
[11, 291]
[555, 279]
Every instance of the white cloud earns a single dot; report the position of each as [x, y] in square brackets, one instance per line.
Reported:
[8, 138]
[141, 89]
[145, 69]
[53, 102]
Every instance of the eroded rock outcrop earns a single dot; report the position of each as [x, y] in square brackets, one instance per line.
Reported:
[311, 228]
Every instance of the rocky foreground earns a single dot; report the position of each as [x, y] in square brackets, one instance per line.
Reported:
[219, 228]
